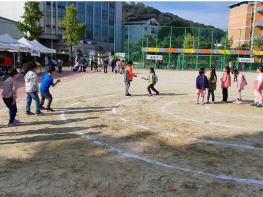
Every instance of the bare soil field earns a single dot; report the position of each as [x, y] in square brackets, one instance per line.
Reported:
[100, 143]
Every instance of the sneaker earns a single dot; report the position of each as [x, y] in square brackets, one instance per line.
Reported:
[239, 102]
[157, 93]
[128, 94]
[30, 113]
[43, 108]
[150, 94]
[11, 124]
[49, 110]
[40, 113]
[17, 121]
[259, 105]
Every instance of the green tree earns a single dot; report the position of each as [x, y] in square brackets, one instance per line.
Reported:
[226, 43]
[190, 41]
[74, 30]
[30, 26]
[258, 44]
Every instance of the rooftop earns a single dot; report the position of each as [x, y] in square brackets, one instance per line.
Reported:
[241, 3]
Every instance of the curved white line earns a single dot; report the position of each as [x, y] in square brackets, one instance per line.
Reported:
[179, 116]
[173, 134]
[127, 154]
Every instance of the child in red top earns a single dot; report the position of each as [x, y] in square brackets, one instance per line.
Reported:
[128, 77]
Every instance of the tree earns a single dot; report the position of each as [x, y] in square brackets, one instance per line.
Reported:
[30, 25]
[226, 43]
[190, 41]
[74, 30]
[258, 44]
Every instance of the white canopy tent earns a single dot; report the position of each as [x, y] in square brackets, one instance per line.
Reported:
[35, 51]
[9, 43]
[42, 47]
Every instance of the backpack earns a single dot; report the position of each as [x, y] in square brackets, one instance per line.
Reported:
[155, 79]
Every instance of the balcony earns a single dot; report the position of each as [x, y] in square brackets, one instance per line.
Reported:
[260, 9]
[259, 24]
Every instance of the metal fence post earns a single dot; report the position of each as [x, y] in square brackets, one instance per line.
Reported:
[210, 61]
[170, 46]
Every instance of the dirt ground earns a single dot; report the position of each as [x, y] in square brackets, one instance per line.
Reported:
[100, 143]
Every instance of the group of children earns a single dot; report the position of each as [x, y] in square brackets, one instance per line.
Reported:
[203, 82]
[128, 78]
[32, 90]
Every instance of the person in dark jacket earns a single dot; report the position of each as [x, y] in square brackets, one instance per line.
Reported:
[212, 84]
[201, 85]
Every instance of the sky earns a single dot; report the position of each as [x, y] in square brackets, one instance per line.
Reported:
[210, 13]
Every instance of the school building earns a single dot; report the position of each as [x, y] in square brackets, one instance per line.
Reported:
[99, 17]
[245, 24]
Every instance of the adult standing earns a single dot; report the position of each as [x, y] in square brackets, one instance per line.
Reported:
[105, 64]
[8, 62]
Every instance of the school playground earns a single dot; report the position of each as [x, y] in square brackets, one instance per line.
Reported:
[100, 143]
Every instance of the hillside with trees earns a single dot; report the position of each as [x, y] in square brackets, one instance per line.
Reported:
[138, 11]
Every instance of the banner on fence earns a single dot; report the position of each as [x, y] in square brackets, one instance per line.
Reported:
[154, 57]
[246, 60]
[120, 55]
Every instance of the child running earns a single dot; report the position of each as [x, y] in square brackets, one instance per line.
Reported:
[152, 80]
[32, 89]
[241, 83]
[47, 81]
[212, 84]
[201, 85]
[258, 88]
[128, 77]
[225, 83]
[9, 96]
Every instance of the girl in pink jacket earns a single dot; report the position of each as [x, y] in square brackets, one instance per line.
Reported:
[258, 88]
[225, 83]
[241, 83]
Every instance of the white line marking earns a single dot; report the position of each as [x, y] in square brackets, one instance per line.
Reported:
[62, 116]
[162, 164]
[179, 116]
[173, 134]
[238, 146]
[127, 154]
[233, 115]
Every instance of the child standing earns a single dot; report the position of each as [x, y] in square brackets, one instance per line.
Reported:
[47, 81]
[128, 77]
[241, 83]
[9, 95]
[212, 84]
[31, 83]
[152, 80]
[258, 88]
[201, 85]
[225, 83]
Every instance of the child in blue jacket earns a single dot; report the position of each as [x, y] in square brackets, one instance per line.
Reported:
[201, 85]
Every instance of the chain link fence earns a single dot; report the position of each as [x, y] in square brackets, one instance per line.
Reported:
[184, 47]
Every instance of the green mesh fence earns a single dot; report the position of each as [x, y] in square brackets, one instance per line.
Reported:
[182, 47]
